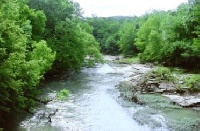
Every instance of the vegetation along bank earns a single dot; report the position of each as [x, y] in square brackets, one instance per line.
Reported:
[44, 38]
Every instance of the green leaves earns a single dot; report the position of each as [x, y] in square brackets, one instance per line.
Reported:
[32, 41]
[63, 94]
[23, 62]
[170, 38]
[106, 32]
[44, 56]
[65, 33]
[127, 37]
[192, 82]
[90, 45]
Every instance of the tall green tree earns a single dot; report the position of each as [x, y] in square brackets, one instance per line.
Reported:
[149, 38]
[91, 46]
[63, 33]
[171, 37]
[127, 38]
[23, 61]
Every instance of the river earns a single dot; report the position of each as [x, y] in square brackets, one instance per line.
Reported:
[93, 104]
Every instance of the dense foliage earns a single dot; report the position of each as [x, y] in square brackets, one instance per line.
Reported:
[68, 35]
[107, 31]
[37, 36]
[23, 61]
[127, 38]
[171, 38]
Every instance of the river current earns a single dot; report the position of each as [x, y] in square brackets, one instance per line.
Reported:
[93, 104]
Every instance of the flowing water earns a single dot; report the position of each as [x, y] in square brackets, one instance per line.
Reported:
[93, 104]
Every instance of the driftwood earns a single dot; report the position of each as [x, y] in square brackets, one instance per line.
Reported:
[51, 114]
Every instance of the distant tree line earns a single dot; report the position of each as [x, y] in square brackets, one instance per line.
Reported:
[171, 38]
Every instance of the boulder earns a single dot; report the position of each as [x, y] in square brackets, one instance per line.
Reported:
[185, 101]
[168, 86]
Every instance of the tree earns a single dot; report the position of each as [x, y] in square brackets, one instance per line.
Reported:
[91, 46]
[106, 32]
[23, 61]
[127, 37]
[148, 39]
[63, 33]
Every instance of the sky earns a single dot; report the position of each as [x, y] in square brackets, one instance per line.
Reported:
[105, 8]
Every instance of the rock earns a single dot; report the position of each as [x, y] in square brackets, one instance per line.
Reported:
[137, 78]
[167, 86]
[149, 90]
[153, 82]
[129, 74]
[185, 101]
[198, 95]
[197, 86]
[140, 69]
[159, 91]
[117, 58]
[127, 79]
[152, 79]
[181, 82]
[136, 100]
[125, 86]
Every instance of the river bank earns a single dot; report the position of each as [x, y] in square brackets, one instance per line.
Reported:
[162, 101]
[93, 104]
[103, 98]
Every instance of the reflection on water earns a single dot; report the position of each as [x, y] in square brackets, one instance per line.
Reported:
[92, 105]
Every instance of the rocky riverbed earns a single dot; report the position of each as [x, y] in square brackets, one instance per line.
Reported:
[161, 98]
[112, 97]
[138, 81]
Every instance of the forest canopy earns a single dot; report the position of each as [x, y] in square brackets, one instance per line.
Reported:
[39, 37]
[170, 38]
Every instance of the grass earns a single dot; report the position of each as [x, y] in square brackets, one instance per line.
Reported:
[163, 73]
[192, 82]
[128, 60]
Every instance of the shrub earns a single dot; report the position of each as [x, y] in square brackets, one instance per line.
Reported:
[192, 82]
[63, 94]
[163, 73]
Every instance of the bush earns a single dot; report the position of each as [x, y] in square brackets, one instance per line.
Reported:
[192, 82]
[163, 73]
[63, 94]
